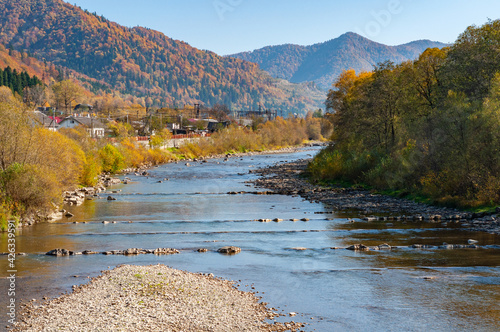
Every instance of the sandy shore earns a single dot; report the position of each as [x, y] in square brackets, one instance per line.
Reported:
[152, 298]
[286, 179]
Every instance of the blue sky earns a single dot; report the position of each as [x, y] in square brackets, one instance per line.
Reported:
[231, 26]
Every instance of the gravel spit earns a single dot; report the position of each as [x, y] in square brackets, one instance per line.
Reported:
[152, 298]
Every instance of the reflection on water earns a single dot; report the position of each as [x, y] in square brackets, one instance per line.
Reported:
[401, 289]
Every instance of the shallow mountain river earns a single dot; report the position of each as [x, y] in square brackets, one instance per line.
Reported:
[402, 289]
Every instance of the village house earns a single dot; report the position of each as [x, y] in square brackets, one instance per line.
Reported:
[94, 126]
[45, 121]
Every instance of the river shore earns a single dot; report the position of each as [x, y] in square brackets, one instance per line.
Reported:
[152, 298]
[78, 195]
[286, 179]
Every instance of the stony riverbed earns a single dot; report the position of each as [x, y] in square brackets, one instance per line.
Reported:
[286, 179]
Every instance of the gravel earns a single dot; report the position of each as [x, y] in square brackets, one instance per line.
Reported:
[152, 298]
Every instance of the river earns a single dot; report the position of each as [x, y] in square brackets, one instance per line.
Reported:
[331, 290]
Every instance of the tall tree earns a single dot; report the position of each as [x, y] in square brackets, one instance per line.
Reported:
[66, 92]
[474, 60]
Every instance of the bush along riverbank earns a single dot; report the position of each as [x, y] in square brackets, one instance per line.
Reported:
[291, 179]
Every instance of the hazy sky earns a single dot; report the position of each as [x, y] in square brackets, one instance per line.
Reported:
[231, 26]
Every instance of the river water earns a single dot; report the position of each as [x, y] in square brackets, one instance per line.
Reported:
[331, 290]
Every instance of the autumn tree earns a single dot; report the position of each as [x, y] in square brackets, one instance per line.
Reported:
[473, 60]
[428, 127]
[36, 165]
[66, 92]
[220, 112]
[34, 95]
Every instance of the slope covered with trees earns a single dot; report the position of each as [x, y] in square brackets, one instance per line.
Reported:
[323, 62]
[17, 82]
[429, 127]
[140, 61]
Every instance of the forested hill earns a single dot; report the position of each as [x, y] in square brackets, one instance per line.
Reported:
[141, 61]
[323, 62]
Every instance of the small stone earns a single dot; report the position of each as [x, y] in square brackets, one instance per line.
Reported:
[59, 252]
[165, 251]
[231, 250]
[358, 247]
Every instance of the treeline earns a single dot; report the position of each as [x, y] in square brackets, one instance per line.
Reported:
[16, 81]
[429, 127]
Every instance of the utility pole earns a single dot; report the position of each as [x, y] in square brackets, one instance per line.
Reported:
[54, 119]
[197, 108]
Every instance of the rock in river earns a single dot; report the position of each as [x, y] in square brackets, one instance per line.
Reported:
[231, 250]
[358, 247]
[59, 252]
[165, 251]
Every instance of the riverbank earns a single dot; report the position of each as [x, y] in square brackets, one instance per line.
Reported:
[152, 298]
[79, 195]
[286, 179]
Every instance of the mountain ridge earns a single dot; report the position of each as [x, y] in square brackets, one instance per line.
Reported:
[323, 62]
[142, 61]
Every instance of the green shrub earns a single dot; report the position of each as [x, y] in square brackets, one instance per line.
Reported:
[112, 160]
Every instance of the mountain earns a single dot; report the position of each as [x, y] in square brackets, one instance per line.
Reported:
[322, 63]
[143, 62]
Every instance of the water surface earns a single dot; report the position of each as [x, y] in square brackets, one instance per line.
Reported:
[188, 207]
